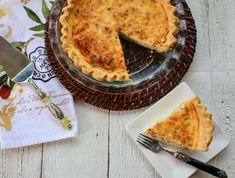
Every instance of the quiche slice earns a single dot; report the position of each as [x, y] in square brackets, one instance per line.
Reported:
[91, 29]
[189, 126]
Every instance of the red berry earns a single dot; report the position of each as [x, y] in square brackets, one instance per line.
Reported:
[5, 92]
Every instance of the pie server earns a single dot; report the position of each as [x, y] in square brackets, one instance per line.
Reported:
[20, 69]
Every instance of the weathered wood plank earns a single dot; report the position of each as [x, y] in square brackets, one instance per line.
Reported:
[200, 12]
[17, 163]
[221, 31]
[85, 156]
[224, 110]
[222, 40]
[125, 159]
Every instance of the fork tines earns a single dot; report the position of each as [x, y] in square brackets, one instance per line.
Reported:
[145, 140]
[145, 136]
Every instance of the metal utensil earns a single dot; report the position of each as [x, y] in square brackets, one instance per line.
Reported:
[20, 69]
[155, 146]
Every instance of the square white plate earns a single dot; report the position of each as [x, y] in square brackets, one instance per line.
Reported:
[166, 165]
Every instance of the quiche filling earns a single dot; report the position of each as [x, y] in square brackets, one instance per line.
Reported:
[189, 126]
[91, 30]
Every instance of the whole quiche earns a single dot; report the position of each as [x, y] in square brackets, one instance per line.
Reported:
[91, 30]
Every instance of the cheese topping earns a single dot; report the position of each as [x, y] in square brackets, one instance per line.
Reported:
[94, 27]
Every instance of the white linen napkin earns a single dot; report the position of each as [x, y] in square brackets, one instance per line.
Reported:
[24, 118]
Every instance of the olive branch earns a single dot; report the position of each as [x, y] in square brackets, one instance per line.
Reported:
[34, 17]
[38, 29]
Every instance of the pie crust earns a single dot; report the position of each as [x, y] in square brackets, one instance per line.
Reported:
[189, 126]
[91, 29]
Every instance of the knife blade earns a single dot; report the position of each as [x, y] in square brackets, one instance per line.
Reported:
[14, 62]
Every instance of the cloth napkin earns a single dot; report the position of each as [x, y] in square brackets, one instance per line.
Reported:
[24, 118]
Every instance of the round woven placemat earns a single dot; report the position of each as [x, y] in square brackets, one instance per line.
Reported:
[135, 100]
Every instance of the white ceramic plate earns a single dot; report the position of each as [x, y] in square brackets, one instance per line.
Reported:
[166, 165]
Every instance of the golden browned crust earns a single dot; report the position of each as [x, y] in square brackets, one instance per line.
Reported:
[190, 126]
[206, 126]
[94, 55]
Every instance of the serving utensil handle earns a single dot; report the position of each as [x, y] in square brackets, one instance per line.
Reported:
[201, 165]
[54, 109]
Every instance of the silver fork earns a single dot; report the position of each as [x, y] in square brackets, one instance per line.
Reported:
[155, 146]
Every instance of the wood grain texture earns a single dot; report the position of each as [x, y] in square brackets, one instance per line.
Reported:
[85, 156]
[103, 148]
[21, 163]
[125, 159]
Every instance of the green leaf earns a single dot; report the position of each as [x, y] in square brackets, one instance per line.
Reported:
[18, 44]
[32, 15]
[40, 35]
[3, 79]
[38, 28]
[45, 9]
[52, 2]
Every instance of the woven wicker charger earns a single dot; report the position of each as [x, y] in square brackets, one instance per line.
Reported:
[171, 69]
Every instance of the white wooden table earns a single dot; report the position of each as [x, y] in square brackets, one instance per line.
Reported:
[103, 148]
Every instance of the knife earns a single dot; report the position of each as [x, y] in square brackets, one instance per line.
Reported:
[20, 69]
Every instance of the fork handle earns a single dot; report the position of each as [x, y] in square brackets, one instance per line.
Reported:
[201, 165]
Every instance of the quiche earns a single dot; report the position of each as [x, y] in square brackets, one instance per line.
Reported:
[189, 126]
[91, 28]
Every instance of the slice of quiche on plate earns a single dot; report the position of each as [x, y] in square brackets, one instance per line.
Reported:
[189, 126]
[179, 103]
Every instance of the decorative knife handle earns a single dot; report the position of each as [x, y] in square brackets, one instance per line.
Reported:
[200, 165]
[54, 109]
